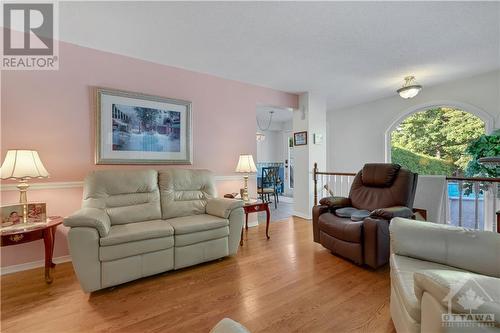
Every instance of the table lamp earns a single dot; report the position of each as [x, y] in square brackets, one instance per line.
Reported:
[246, 166]
[22, 165]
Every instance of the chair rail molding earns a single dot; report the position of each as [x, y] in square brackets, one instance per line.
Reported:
[488, 119]
[78, 184]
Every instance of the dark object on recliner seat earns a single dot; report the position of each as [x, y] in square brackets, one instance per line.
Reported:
[386, 191]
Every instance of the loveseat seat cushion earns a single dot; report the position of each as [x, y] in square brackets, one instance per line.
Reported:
[196, 223]
[402, 280]
[124, 233]
[124, 250]
[184, 192]
[341, 228]
[201, 236]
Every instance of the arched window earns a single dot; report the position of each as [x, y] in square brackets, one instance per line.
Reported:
[433, 141]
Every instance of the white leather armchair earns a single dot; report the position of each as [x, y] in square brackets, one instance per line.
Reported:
[440, 274]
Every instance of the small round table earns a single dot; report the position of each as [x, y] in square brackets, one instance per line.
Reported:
[33, 232]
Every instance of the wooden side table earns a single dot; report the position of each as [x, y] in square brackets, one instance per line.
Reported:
[45, 231]
[255, 207]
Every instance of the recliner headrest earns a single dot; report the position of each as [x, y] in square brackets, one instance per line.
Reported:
[379, 174]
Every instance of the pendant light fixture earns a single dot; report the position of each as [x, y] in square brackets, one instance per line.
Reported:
[261, 136]
[410, 88]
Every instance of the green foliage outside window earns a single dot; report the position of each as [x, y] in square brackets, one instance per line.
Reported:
[420, 163]
[434, 142]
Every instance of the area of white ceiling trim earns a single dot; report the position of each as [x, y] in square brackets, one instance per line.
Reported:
[351, 52]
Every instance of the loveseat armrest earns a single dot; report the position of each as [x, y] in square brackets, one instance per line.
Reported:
[90, 218]
[450, 287]
[391, 212]
[222, 207]
[335, 202]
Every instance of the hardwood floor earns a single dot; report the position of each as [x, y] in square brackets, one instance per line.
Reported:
[285, 284]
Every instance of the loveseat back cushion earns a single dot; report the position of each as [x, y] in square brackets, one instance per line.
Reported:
[127, 196]
[400, 193]
[185, 192]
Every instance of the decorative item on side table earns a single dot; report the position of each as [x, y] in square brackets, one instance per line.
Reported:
[300, 138]
[246, 165]
[16, 216]
[135, 128]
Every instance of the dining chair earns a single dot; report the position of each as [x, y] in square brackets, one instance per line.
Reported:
[269, 184]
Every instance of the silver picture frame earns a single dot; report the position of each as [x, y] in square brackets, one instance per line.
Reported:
[104, 133]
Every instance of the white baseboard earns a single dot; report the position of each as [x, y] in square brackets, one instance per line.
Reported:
[31, 265]
[301, 215]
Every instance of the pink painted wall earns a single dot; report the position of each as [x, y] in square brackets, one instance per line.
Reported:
[52, 112]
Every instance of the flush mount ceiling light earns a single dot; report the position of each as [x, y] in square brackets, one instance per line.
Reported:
[410, 88]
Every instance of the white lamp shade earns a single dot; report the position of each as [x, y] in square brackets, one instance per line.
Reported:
[246, 164]
[22, 164]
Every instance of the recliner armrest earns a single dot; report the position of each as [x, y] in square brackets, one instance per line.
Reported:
[376, 241]
[222, 207]
[90, 217]
[391, 212]
[335, 202]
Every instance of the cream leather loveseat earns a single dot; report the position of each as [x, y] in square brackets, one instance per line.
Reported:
[138, 223]
[444, 278]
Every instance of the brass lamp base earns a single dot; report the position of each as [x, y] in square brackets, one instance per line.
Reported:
[23, 198]
[23, 189]
[245, 189]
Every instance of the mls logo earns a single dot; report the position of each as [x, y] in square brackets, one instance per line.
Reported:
[29, 36]
[467, 300]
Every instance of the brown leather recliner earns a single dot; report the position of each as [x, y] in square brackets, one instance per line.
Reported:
[385, 191]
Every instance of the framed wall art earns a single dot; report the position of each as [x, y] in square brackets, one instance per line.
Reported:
[133, 128]
[300, 138]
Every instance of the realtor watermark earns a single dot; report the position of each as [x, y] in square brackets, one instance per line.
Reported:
[30, 36]
[467, 296]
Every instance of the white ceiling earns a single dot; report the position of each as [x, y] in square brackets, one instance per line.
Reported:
[352, 52]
